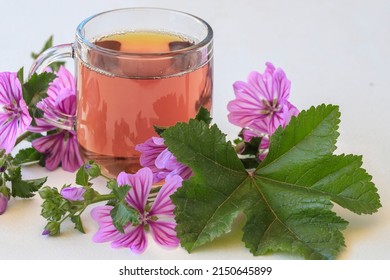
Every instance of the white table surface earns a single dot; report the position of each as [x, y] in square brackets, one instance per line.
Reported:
[334, 51]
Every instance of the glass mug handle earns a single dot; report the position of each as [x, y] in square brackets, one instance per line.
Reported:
[53, 54]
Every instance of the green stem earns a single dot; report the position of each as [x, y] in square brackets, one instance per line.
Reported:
[105, 177]
[23, 136]
[102, 197]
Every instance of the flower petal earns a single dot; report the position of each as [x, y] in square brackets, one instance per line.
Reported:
[163, 204]
[8, 134]
[150, 150]
[141, 183]
[52, 146]
[164, 233]
[107, 231]
[66, 102]
[71, 159]
[135, 240]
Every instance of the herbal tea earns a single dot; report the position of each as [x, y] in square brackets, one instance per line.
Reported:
[117, 112]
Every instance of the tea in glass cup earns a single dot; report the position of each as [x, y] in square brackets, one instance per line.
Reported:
[136, 68]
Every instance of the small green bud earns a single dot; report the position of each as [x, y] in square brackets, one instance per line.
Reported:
[112, 184]
[45, 192]
[93, 170]
[52, 228]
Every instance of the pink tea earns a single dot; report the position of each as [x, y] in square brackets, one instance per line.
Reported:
[117, 112]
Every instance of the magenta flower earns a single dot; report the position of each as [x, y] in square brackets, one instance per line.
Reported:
[73, 193]
[262, 102]
[158, 217]
[60, 147]
[14, 116]
[156, 156]
[3, 203]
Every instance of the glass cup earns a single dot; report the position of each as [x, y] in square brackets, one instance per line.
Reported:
[136, 68]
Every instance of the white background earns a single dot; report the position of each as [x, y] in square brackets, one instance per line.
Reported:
[334, 51]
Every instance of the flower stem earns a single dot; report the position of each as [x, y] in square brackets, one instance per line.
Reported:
[23, 137]
[102, 197]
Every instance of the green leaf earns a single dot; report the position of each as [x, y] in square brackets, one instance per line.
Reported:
[20, 75]
[122, 215]
[82, 177]
[286, 200]
[77, 223]
[120, 192]
[35, 89]
[24, 188]
[28, 155]
[159, 129]
[204, 115]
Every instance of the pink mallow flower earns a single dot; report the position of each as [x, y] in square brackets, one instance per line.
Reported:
[262, 103]
[60, 147]
[14, 115]
[156, 156]
[73, 193]
[158, 217]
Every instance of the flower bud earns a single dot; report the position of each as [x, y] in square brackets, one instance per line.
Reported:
[73, 193]
[45, 192]
[92, 170]
[3, 203]
[52, 228]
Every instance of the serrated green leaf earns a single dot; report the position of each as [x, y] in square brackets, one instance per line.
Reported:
[35, 89]
[120, 192]
[122, 215]
[204, 115]
[24, 188]
[28, 155]
[78, 224]
[287, 200]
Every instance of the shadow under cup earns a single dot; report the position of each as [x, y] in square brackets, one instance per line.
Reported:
[138, 68]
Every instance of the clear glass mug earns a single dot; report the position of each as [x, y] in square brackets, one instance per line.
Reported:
[135, 68]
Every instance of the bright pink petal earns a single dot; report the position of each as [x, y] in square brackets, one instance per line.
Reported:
[164, 159]
[52, 147]
[163, 204]
[141, 183]
[282, 85]
[135, 240]
[73, 193]
[66, 102]
[150, 150]
[10, 88]
[24, 117]
[71, 160]
[42, 126]
[107, 231]
[164, 233]
[8, 134]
